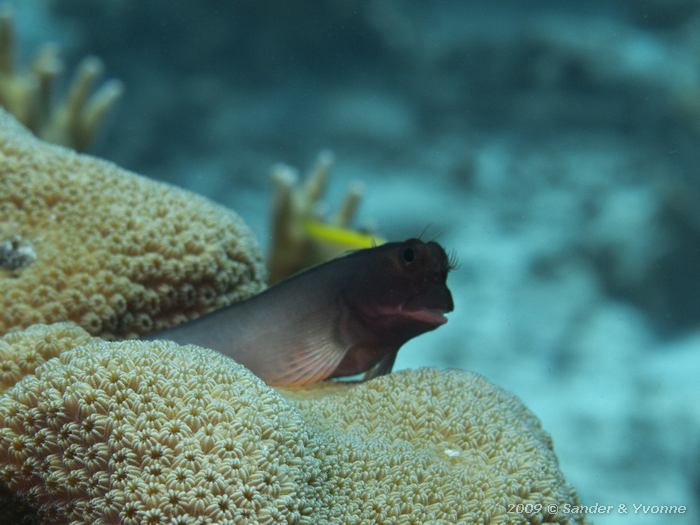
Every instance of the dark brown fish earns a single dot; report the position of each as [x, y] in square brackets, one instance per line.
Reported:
[344, 317]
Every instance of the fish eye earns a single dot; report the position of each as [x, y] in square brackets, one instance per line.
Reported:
[408, 255]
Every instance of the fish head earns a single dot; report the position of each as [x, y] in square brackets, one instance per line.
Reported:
[402, 290]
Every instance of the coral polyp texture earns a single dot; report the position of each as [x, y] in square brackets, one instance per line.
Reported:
[119, 254]
[134, 433]
[151, 432]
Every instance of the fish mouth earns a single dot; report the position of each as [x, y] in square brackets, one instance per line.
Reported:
[431, 316]
[429, 307]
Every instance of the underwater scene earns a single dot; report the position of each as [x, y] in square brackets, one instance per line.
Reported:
[350, 262]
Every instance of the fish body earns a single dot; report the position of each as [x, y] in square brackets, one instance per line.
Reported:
[339, 237]
[340, 318]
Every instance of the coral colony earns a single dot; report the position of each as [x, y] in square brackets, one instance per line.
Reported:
[152, 432]
[149, 256]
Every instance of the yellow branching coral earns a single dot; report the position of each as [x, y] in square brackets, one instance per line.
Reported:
[151, 432]
[117, 253]
[300, 238]
[75, 121]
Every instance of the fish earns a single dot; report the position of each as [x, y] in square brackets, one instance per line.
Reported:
[345, 317]
[339, 237]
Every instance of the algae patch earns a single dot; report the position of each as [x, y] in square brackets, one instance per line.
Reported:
[16, 253]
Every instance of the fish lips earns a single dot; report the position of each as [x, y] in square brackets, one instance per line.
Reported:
[429, 308]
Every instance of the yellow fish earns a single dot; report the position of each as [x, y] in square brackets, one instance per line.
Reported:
[338, 238]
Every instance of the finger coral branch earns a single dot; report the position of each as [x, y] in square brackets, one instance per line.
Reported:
[73, 121]
[317, 181]
[97, 108]
[350, 204]
[47, 66]
[300, 238]
[80, 115]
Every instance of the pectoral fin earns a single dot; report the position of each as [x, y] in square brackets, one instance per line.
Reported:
[382, 368]
[301, 366]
